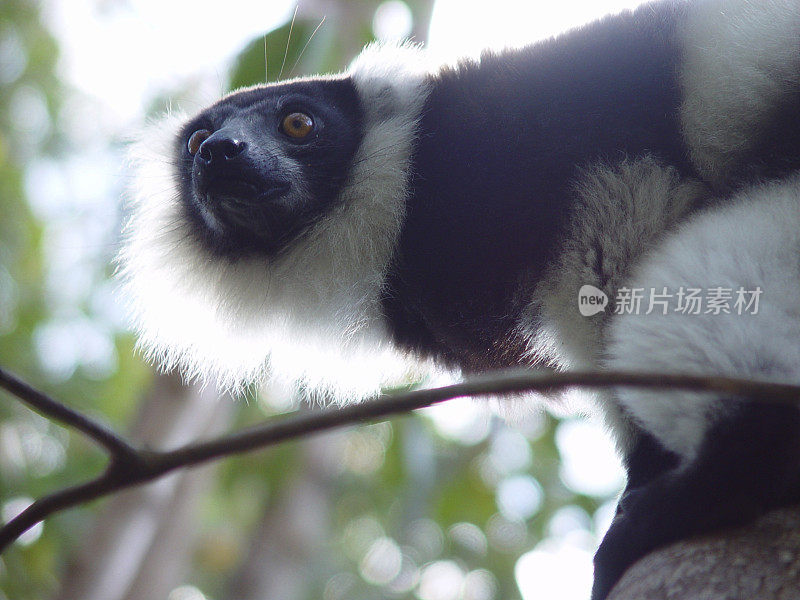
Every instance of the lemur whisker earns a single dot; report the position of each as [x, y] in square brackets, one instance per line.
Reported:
[288, 41]
[311, 37]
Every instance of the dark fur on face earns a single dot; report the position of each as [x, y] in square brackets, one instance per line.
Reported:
[252, 188]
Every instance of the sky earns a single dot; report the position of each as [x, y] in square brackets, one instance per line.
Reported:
[120, 57]
[464, 27]
[147, 45]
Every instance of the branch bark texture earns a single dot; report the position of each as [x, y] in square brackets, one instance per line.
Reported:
[757, 561]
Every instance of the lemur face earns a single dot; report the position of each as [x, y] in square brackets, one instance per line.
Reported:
[261, 230]
[259, 167]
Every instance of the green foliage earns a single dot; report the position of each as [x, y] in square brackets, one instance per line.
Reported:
[22, 305]
[263, 59]
[280, 56]
[47, 457]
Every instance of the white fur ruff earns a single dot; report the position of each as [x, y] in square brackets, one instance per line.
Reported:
[312, 316]
[741, 59]
[755, 242]
[621, 211]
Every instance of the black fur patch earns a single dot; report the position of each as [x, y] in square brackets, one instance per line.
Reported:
[499, 147]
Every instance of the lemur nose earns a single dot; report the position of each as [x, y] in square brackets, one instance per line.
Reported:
[219, 147]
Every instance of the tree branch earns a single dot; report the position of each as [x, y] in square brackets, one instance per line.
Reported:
[43, 404]
[756, 560]
[129, 466]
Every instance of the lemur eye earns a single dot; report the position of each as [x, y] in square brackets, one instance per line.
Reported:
[297, 125]
[197, 138]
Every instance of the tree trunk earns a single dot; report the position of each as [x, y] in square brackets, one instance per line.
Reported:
[760, 561]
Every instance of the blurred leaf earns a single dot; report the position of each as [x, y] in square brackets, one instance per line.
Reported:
[249, 68]
[322, 53]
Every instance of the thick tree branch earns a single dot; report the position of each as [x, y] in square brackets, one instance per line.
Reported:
[756, 560]
[130, 467]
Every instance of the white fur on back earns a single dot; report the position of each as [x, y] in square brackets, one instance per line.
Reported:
[753, 243]
[620, 212]
[312, 316]
[741, 58]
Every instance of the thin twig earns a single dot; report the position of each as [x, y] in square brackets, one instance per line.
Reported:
[117, 447]
[146, 465]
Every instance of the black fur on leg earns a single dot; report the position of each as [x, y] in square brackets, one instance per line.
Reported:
[748, 465]
[646, 460]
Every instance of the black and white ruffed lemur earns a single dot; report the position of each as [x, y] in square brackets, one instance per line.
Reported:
[344, 231]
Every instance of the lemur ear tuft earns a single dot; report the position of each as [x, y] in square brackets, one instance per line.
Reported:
[388, 77]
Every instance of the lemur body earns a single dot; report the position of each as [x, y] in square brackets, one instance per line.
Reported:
[397, 216]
